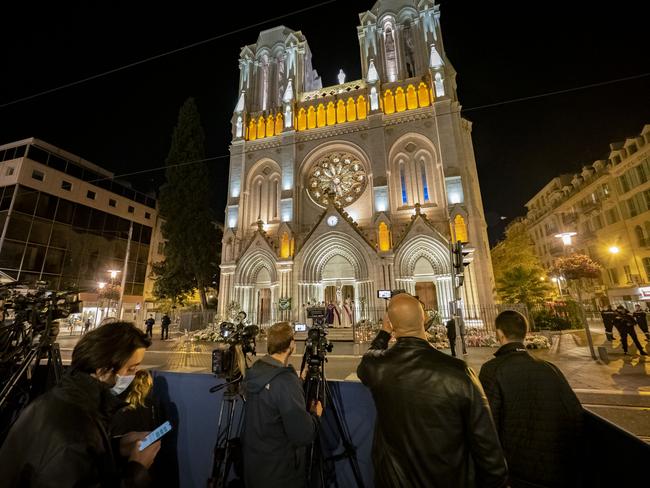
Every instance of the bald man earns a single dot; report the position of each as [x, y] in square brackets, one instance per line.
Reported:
[433, 425]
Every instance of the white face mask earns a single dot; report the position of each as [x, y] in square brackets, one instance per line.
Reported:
[121, 383]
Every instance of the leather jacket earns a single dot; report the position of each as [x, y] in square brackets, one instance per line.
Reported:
[433, 427]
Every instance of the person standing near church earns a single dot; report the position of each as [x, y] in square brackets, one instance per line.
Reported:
[149, 323]
[642, 321]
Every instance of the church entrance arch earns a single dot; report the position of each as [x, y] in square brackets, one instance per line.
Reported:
[335, 269]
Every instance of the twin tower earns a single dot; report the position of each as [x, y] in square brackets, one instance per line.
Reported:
[337, 192]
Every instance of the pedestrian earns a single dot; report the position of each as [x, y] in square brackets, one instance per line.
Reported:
[624, 322]
[540, 452]
[433, 424]
[451, 335]
[87, 325]
[149, 323]
[608, 316]
[142, 412]
[62, 437]
[164, 322]
[277, 425]
[642, 321]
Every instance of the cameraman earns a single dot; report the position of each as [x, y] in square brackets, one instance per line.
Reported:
[277, 426]
[61, 439]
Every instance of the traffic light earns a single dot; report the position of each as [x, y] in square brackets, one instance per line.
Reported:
[462, 256]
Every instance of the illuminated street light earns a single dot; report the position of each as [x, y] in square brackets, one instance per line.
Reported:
[566, 237]
[113, 273]
[614, 250]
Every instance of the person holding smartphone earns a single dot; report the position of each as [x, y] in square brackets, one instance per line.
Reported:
[61, 439]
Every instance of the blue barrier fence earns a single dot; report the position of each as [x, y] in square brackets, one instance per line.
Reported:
[611, 457]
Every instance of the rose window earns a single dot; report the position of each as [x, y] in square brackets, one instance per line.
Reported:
[339, 176]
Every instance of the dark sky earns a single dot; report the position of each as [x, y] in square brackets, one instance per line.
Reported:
[501, 51]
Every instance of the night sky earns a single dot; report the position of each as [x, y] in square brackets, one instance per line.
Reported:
[501, 51]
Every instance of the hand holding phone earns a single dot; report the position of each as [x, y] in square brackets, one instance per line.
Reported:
[155, 435]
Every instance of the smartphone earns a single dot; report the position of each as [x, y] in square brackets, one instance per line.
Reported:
[383, 293]
[155, 435]
[300, 327]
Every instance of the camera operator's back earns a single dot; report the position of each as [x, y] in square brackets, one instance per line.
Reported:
[433, 426]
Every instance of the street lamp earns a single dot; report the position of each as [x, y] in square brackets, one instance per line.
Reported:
[614, 249]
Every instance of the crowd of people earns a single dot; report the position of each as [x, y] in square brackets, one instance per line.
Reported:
[625, 324]
[437, 423]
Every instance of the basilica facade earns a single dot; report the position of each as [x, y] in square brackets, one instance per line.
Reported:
[338, 192]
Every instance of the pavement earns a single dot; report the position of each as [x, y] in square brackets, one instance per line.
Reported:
[617, 388]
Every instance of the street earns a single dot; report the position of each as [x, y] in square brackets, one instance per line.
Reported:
[618, 390]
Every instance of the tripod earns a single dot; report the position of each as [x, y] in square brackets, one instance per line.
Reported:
[317, 389]
[225, 449]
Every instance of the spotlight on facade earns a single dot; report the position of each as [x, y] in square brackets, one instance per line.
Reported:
[566, 237]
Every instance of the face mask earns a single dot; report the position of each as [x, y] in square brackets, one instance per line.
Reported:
[121, 383]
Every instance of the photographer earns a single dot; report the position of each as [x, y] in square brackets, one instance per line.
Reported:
[61, 439]
[433, 424]
[277, 426]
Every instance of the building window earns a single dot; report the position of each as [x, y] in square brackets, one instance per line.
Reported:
[641, 174]
[460, 229]
[147, 215]
[625, 186]
[285, 246]
[631, 207]
[161, 248]
[640, 238]
[612, 216]
[38, 175]
[402, 179]
[112, 203]
[9, 171]
[66, 185]
[384, 237]
[131, 209]
[425, 187]
[646, 266]
[613, 276]
[454, 190]
[628, 273]
[91, 195]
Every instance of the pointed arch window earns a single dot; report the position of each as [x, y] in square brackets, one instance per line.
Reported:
[384, 237]
[276, 186]
[259, 200]
[402, 179]
[285, 246]
[390, 53]
[425, 186]
[460, 229]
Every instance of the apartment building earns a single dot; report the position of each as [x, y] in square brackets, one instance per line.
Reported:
[607, 205]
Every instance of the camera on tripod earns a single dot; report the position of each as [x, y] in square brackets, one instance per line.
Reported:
[316, 345]
[237, 340]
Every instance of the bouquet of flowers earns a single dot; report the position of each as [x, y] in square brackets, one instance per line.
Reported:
[479, 337]
[210, 334]
[536, 341]
[437, 336]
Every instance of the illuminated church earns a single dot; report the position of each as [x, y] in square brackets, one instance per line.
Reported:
[337, 192]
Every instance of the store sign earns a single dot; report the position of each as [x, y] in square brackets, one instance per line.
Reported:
[644, 291]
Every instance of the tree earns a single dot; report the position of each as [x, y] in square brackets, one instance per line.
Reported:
[192, 247]
[517, 270]
[523, 285]
[175, 285]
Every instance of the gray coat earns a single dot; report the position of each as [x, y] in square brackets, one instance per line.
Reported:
[277, 426]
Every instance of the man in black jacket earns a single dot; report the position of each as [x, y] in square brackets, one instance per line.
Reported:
[61, 439]
[433, 424]
[537, 414]
[625, 323]
[277, 426]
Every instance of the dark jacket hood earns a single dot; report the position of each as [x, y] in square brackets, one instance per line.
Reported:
[263, 371]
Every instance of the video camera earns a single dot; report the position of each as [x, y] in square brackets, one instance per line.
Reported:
[237, 340]
[316, 345]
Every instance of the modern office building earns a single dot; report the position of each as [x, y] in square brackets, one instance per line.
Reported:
[607, 206]
[68, 222]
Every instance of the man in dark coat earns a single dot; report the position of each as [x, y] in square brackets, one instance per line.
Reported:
[150, 323]
[277, 426]
[642, 321]
[537, 415]
[61, 439]
[625, 323]
[164, 323]
[433, 424]
[451, 335]
[608, 321]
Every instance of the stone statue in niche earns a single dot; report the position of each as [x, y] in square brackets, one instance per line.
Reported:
[341, 77]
